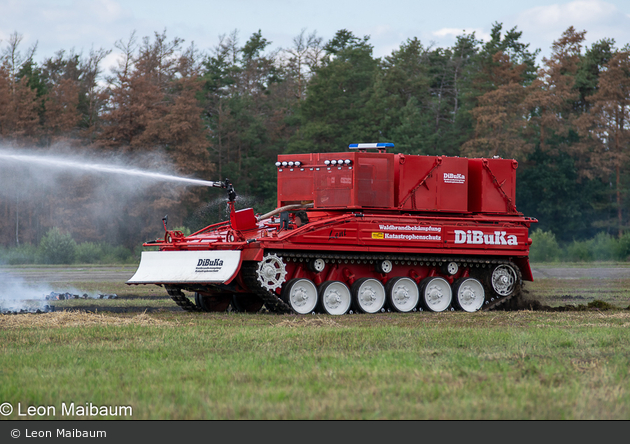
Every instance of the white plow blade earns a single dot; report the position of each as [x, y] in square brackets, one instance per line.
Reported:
[179, 267]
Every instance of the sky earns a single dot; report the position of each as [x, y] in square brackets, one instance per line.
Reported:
[81, 25]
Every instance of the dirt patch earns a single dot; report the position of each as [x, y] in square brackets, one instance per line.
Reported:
[526, 302]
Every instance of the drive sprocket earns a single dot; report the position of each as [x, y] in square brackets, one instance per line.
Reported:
[271, 272]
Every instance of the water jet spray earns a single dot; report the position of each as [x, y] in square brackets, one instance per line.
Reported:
[55, 162]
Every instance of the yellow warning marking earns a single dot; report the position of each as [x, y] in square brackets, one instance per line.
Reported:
[378, 235]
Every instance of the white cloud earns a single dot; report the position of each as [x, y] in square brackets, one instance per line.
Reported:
[579, 11]
[544, 24]
[66, 25]
[107, 9]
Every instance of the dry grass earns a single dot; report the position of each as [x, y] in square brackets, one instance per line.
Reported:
[310, 322]
[74, 319]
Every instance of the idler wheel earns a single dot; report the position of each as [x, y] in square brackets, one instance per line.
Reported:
[334, 297]
[403, 294]
[504, 280]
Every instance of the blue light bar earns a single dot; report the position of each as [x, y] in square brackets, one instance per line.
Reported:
[363, 146]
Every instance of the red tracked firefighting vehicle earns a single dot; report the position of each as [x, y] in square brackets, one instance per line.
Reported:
[359, 231]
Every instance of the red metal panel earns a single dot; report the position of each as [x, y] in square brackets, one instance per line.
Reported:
[367, 181]
[432, 183]
[295, 185]
[333, 187]
[384, 180]
[244, 219]
[492, 187]
[439, 235]
[374, 180]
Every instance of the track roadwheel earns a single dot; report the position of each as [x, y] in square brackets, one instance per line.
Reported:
[301, 295]
[368, 295]
[435, 294]
[246, 303]
[334, 297]
[402, 294]
[469, 294]
[213, 302]
[504, 280]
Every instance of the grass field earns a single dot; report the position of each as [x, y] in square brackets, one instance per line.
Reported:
[168, 364]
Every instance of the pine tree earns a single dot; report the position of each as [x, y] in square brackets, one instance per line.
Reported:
[553, 97]
[496, 94]
[605, 130]
[61, 113]
[333, 113]
[500, 116]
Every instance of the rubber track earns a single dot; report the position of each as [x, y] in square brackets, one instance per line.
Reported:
[277, 305]
[272, 301]
[180, 299]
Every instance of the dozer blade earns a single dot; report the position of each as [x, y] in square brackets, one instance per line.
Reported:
[182, 267]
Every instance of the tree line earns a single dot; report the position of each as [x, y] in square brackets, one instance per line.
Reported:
[228, 112]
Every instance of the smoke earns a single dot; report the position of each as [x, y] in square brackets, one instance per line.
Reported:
[16, 296]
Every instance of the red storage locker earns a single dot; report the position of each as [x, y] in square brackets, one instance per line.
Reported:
[492, 187]
[337, 180]
[295, 184]
[432, 183]
[374, 180]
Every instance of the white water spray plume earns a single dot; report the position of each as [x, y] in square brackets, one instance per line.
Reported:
[47, 161]
[95, 196]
